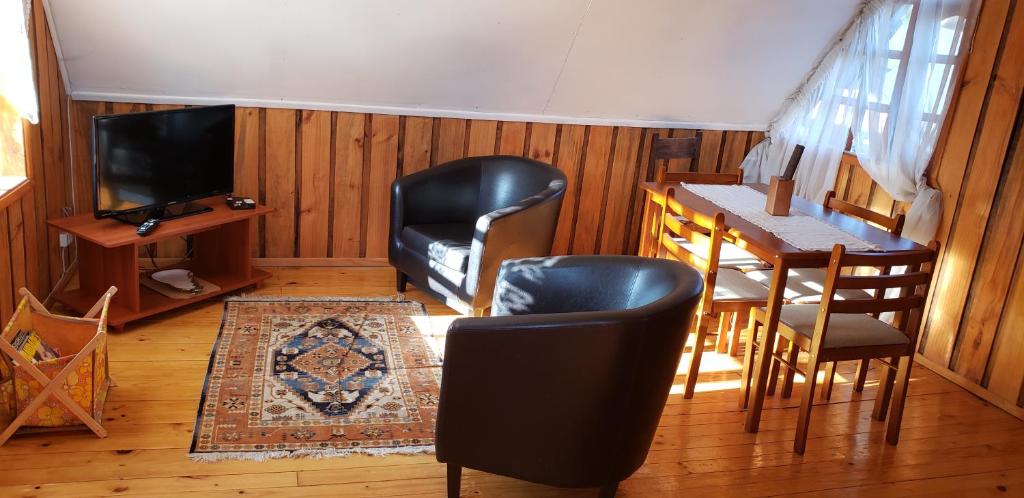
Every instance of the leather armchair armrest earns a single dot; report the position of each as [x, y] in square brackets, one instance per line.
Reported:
[524, 229]
[555, 188]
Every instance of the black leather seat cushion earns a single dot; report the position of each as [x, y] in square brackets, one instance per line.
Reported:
[447, 244]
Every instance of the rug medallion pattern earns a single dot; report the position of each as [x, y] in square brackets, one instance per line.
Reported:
[320, 377]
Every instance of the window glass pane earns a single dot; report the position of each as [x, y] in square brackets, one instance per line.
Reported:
[950, 35]
[892, 69]
[12, 146]
[937, 87]
[900, 24]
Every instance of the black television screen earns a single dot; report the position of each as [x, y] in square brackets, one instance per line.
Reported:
[149, 160]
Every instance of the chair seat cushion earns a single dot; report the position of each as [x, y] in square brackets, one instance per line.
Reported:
[733, 285]
[805, 285]
[447, 244]
[731, 255]
[844, 330]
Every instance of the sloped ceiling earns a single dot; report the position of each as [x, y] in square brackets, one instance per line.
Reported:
[712, 63]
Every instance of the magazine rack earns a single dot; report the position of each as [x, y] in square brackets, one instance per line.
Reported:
[65, 391]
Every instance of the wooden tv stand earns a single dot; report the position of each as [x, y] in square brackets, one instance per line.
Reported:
[108, 254]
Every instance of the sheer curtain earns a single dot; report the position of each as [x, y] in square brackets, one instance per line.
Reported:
[888, 80]
[818, 115]
[901, 118]
[17, 84]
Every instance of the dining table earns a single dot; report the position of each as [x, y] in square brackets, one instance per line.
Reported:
[659, 198]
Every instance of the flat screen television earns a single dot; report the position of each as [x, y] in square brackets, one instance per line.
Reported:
[153, 164]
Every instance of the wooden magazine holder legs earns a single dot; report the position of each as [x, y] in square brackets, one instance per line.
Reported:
[54, 387]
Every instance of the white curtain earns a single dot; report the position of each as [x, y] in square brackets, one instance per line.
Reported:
[818, 115]
[890, 90]
[900, 121]
[17, 84]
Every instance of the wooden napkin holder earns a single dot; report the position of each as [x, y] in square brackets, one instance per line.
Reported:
[780, 196]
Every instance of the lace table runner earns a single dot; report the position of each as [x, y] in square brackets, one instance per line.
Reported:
[798, 230]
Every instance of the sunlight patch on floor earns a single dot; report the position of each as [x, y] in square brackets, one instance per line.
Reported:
[703, 387]
[711, 361]
[433, 329]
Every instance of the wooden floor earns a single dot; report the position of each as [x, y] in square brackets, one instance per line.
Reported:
[953, 443]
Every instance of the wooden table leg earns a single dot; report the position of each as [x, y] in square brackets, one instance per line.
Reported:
[771, 325]
[792, 355]
[646, 227]
[660, 213]
[656, 226]
[748, 360]
[724, 324]
[739, 324]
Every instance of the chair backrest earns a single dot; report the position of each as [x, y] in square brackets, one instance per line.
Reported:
[581, 284]
[912, 286]
[665, 148]
[893, 224]
[546, 308]
[704, 236]
[508, 180]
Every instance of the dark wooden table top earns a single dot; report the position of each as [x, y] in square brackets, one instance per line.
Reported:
[771, 248]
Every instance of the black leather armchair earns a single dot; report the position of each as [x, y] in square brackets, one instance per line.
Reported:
[565, 383]
[453, 225]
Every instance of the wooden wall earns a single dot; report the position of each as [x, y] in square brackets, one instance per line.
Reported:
[974, 329]
[328, 174]
[853, 185]
[29, 252]
[17, 268]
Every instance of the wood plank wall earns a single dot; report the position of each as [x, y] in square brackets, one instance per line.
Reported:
[975, 327]
[29, 252]
[974, 330]
[853, 185]
[328, 174]
[17, 232]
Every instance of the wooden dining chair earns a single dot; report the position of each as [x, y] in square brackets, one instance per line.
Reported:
[805, 286]
[839, 330]
[664, 149]
[726, 291]
[892, 224]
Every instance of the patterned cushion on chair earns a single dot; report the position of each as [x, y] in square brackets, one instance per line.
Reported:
[447, 244]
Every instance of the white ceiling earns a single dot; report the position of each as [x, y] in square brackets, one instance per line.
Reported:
[721, 63]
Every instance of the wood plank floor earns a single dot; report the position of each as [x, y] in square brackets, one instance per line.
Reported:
[953, 443]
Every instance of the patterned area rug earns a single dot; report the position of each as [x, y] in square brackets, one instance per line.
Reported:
[318, 377]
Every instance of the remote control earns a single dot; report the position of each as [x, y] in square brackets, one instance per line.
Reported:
[147, 227]
[240, 203]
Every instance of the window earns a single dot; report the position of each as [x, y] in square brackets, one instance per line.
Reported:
[933, 77]
[12, 148]
[17, 92]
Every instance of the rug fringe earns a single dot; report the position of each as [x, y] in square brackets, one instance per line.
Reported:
[261, 456]
[266, 297]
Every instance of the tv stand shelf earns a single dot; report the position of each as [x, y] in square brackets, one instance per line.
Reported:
[108, 254]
